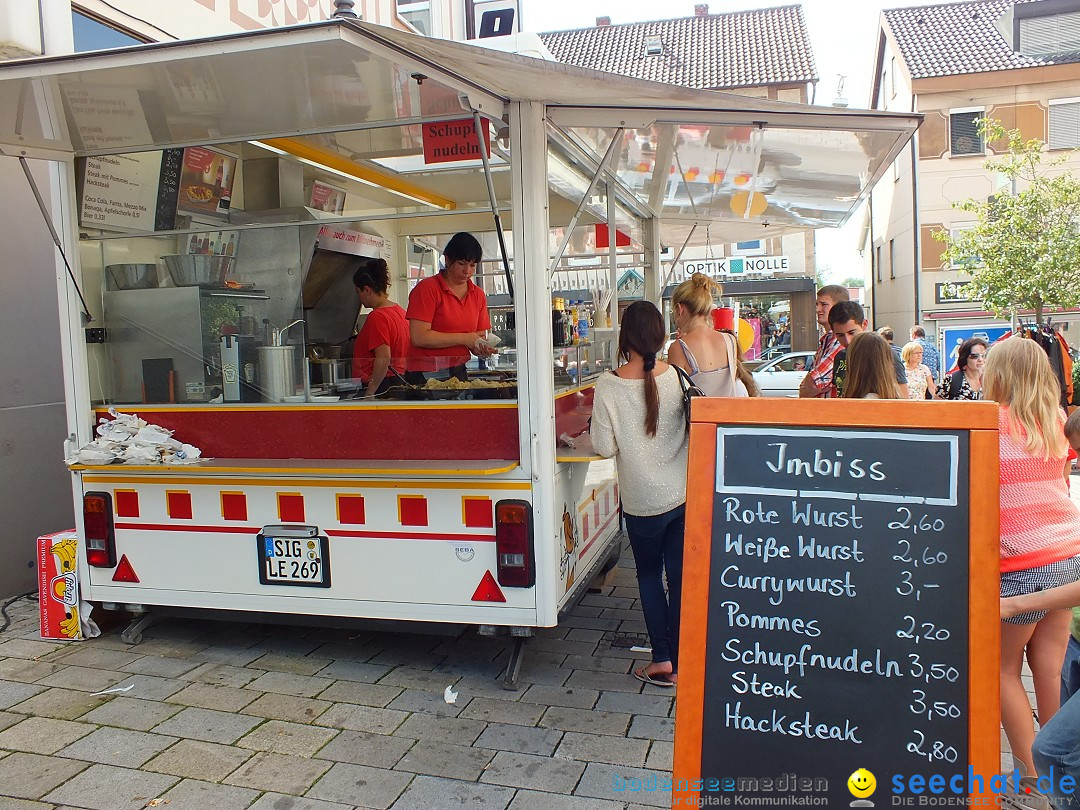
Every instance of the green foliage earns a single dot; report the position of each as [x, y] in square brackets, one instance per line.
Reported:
[1026, 244]
[853, 281]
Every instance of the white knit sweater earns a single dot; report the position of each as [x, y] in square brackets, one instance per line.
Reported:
[652, 469]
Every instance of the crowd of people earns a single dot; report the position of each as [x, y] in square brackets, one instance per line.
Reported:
[638, 418]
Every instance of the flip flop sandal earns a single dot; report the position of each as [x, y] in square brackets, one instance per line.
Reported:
[660, 679]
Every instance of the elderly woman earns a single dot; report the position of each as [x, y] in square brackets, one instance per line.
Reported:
[919, 377]
[966, 381]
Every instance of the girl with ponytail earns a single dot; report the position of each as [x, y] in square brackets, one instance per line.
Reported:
[638, 420]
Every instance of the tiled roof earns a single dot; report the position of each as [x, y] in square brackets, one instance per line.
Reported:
[711, 52]
[957, 38]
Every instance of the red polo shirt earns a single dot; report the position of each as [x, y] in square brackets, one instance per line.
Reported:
[384, 326]
[432, 301]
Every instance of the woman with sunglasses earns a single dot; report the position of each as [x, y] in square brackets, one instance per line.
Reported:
[966, 381]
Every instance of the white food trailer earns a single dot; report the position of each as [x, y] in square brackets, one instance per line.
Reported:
[211, 192]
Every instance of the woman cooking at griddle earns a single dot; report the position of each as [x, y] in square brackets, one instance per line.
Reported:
[383, 342]
[448, 316]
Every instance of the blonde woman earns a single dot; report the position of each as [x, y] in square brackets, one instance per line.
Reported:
[1040, 531]
[710, 357]
[920, 380]
[871, 370]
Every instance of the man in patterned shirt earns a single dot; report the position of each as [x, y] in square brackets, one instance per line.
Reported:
[818, 381]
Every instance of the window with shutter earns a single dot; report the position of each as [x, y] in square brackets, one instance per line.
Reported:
[964, 138]
[1064, 123]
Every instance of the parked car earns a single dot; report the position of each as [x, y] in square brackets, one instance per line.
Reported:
[780, 377]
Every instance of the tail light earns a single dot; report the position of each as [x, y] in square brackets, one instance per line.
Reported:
[98, 526]
[515, 561]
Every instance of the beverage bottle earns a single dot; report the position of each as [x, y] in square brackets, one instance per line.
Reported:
[572, 314]
[582, 323]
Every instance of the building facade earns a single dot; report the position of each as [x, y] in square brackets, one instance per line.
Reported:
[1016, 61]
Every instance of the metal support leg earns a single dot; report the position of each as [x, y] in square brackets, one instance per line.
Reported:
[133, 633]
[513, 669]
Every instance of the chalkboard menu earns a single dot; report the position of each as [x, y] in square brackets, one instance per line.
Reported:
[172, 162]
[835, 612]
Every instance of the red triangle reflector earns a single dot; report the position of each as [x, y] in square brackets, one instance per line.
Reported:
[124, 571]
[488, 590]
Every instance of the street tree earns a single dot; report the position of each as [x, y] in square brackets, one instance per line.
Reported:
[1024, 250]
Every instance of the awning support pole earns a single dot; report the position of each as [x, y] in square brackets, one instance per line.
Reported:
[675, 261]
[615, 140]
[477, 123]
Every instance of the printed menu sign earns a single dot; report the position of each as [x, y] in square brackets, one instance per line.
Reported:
[836, 613]
[120, 191]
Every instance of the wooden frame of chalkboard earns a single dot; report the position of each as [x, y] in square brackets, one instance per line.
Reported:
[839, 603]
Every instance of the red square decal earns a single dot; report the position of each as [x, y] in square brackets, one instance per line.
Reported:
[234, 505]
[478, 512]
[290, 507]
[127, 503]
[351, 509]
[412, 510]
[178, 505]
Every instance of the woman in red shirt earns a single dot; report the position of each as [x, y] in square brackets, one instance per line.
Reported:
[448, 316]
[383, 342]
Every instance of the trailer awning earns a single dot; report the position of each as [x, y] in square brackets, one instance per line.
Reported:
[690, 157]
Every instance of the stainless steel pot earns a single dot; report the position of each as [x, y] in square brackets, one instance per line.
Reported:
[131, 276]
[277, 372]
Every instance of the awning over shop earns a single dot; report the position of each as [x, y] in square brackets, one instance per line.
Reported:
[692, 158]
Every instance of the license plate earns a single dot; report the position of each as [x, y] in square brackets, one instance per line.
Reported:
[289, 559]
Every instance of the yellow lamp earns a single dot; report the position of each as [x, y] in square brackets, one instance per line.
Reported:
[748, 203]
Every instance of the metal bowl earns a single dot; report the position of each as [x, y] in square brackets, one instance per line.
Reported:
[199, 269]
[131, 276]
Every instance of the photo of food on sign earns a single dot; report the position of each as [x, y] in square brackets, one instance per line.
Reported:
[206, 182]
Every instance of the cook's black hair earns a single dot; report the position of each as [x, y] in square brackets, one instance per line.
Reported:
[374, 274]
[463, 246]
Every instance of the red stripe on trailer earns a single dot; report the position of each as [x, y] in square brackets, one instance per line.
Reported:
[234, 506]
[596, 535]
[126, 503]
[290, 507]
[253, 530]
[178, 504]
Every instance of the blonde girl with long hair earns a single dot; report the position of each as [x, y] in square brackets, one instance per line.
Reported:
[871, 371]
[1040, 531]
[711, 358]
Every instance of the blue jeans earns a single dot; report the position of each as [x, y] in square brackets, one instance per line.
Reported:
[657, 542]
[1057, 745]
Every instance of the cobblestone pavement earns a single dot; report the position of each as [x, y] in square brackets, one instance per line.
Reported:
[223, 715]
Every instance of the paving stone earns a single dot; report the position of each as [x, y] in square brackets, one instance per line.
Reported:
[365, 748]
[31, 776]
[588, 636]
[544, 668]
[443, 759]
[222, 675]
[360, 785]
[25, 671]
[652, 728]
[608, 681]
[363, 694]
[125, 712]
[454, 667]
[207, 725]
[440, 729]
[600, 780]
[594, 722]
[117, 746]
[160, 666]
[528, 771]
[298, 647]
[416, 660]
[603, 748]
[105, 787]
[504, 711]
[12, 693]
[278, 772]
[195, 759]
[361, 718]
[168, 647]
[42, 735]
[23, 804]
[609, 602]
[192, 794]
[629, 703]
[64, 704]
[438, 793]
[287, 738]
[296, 664]
[227, 654]
[286, 683]
[621, 615]
[7, 719]
[416, 700]
[347, 651]
[417, 679]
[89, 655]
[597, 663]
[354, 671]
[477, 686]
[286, 707]
[24, 648]
[522, 739]
[531, 800]
[661, 756]
[278, 801]
[208, 696]
[150, 687]
[589, 623]
[576, 698]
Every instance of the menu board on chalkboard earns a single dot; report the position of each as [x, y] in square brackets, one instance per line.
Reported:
[834, 599]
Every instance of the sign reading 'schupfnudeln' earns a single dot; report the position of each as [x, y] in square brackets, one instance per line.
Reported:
[831, 564]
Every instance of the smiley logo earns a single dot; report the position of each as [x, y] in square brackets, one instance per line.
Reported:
[862, 783]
